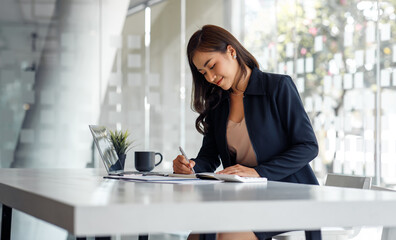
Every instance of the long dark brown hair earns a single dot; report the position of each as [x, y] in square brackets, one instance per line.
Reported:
[206, 96]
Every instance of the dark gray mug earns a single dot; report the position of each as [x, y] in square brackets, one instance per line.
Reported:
[145, 160]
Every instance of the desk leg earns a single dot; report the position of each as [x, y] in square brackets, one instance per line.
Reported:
[143, 237]
[6, 223]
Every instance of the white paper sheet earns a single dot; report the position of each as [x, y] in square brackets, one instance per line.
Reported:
[281, 68]
[385, 32]
[327, 84]
[300, 85]
[348, 38]
[300, 65]
[359, 80]
[289, 50]
[385, 78]
[339, 61]
[370, 32]
[308, 65]
[337, 82]
[347, 81]
[162, 179]
[308, 104]
[318, 43]
[359, 58]
[289, 67]
[370, 55]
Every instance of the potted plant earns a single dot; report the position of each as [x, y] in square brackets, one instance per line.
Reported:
[121, 144]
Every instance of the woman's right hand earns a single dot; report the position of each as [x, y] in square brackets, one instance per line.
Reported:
[182, 166]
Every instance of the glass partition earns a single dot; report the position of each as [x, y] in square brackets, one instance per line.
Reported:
[341, 57]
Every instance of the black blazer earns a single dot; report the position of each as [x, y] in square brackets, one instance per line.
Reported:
[278, 126]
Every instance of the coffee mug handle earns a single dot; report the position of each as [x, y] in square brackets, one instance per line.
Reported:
[157, 153]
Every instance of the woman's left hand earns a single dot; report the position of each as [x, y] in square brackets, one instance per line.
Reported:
[240, 171]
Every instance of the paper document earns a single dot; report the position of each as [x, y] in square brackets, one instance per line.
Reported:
[162, 179]
[189, 178]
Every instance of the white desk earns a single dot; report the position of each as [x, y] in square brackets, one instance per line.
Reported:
[85, 204]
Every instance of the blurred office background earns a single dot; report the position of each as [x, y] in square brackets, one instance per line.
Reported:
[122, 64]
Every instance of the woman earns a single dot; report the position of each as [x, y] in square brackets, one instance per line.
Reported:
[254, 121]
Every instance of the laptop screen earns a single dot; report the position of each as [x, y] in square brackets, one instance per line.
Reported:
[105, 148]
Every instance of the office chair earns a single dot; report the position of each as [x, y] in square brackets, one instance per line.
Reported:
[335, 180]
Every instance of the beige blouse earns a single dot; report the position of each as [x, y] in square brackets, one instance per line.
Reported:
[239, 143]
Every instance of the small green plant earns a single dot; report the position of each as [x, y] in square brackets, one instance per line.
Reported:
[120, 141]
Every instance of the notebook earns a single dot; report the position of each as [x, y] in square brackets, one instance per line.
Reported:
[222, 177]
[108, 154]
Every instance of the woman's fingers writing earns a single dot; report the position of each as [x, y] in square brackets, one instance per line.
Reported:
[182, 166]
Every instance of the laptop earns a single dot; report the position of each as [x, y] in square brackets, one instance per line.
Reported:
[107, 152]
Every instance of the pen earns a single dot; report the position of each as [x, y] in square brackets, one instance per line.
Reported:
[184, 154]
